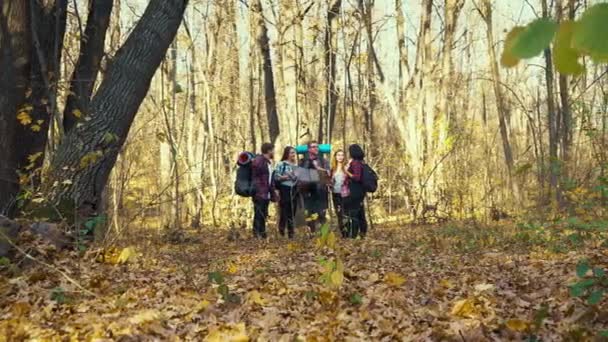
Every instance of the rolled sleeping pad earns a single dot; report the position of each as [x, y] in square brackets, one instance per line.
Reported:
[323, 149]
[245, 158]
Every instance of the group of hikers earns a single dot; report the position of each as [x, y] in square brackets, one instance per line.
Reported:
[306, 185]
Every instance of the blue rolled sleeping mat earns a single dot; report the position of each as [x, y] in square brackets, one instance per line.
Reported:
[323, 149]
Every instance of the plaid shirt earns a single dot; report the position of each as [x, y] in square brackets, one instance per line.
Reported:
[260, 175]
[356, 169]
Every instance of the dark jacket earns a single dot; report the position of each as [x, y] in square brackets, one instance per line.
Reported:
[355, 182]
[260, 176]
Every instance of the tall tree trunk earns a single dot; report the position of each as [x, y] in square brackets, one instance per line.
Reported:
[87, 154]
[404, 66]
[554, 162]
[565, 110]
[15, 54]
[269, 89]
[86, 69]
[501, 107]
[331, 97]
[48, 27]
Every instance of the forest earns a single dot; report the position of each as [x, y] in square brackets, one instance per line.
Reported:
[123, 124]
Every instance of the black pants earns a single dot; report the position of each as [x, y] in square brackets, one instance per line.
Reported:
[260, 214]
[315, 202]
[339, 209]
[354, 211]
[288, 205]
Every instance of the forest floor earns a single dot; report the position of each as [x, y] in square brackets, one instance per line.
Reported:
[453, 282]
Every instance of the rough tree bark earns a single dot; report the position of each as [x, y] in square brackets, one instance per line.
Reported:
[88, 152]
[15, 52]
[91, 52]
[269, 89]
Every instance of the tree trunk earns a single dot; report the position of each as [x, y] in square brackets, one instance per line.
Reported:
[86, 69]
[404, 67]
[554, 168]
[331, 97]
[565, 110]
[501, 107]
[269, 90]
[15, 52]
[87, 154]
[48, 20]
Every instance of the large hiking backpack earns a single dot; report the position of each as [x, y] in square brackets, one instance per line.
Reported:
[243, 184]
[369, 179]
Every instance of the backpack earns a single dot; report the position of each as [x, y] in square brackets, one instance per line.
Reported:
[369, 179]
[243, 184]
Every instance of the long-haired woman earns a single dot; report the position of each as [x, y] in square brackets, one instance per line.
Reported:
[286, 179]
[338, 176]
[353, 203]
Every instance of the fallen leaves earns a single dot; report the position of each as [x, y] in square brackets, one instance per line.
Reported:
[232, 333]
[394, 279]
[517, 325]
[465, 308]
[183, 292]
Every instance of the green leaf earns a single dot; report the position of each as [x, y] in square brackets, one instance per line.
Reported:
[356, 299]
[589, 36]
[215, 277]
[582, 268]
[224, 291]
[587, 283]
[595, 297]
[4, 261]
[565, 57]
[603, 333]
[599, 272]
[534, 39]
[507, 59]
[577, 291]
[540, 315]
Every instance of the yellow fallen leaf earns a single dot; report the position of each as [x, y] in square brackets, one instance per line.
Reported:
[446, 283]
[126, 254]
[232, 269]
[24, 118]
[517, 325]
[77, 113]
[232, 333]
[35, 128]
[256, 298]
[204, 304]
[465, 308]
[145, 316]
[393, 279]
[292, 247]
[336, 278]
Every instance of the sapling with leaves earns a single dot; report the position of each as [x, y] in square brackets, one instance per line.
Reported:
[571, 40]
